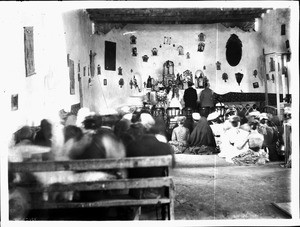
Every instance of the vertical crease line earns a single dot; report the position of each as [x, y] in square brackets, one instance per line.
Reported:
[215, 168]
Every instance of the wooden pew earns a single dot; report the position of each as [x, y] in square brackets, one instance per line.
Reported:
[166, 201]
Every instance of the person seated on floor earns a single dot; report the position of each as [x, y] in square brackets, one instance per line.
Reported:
[231, 111]
[202, 140]
[232, 141]
[254, 154]
[180, 136]
[270, 137]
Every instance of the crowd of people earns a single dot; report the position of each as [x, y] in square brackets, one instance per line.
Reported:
[243, 140]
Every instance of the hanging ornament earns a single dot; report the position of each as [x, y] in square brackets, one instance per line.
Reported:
[201, 47]
[134, 51]
[131, 83]
[180, 50]
[239, 77]
[121, 82]
[145, 58]
[132, 39]
[255, 73]
[201, 37]
[188, 55]
[273, 78]
[154, 51]
[218, 64]
[225, 77]
[98, 70]
[120, 71]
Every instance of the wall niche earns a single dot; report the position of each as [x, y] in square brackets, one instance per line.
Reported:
[234, 50]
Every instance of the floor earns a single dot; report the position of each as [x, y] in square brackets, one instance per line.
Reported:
[208, 188]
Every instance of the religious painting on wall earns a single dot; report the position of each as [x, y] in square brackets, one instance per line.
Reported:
[14, 102]
[29, 51]
[72, 77]
[255, 85]
[110, 56]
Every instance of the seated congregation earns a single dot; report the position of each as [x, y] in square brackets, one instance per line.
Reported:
[243, 140]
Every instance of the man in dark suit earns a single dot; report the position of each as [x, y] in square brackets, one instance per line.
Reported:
[190, 96]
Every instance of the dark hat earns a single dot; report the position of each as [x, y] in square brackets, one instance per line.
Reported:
[190, 83]
[234, 118]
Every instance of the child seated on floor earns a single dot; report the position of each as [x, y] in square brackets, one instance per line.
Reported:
[180, 136]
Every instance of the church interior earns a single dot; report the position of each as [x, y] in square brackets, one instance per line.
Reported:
[87, 66]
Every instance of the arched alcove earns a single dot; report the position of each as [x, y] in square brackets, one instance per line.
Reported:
[234, 50]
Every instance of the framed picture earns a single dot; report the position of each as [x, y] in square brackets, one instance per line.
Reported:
[255, 85]
[14, 102]
[110, 56]
[29, 51]
[72, 77]
[104, 82]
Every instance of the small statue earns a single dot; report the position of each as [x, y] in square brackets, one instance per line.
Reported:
[149, 84]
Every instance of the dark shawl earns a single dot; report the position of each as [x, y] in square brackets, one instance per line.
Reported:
[202, 134]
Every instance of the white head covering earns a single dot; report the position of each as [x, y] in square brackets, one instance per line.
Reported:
[196, 116]
[147, 120]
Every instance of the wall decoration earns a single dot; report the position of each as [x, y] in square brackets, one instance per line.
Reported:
[180, 50]
[168, 68]
[84, 70]
[120, 71]
[145, 58]
[110, 56]
[133, 39]
[204, 67]
[201, 37]
[283, 29]
[255, 73]
[88, 71]
[134, 51]
[98, 70]
[201, 47]
[239, 77]
[199, 77]
[218, 65]
[167, 40]
[104, 82]
[272, 65]
[14, 102]
[90, 82]
[68, 58]
[287, 44]
[273, 78]
[188, 55]
[187, 76]
[72, 77]
[29, 51]
[255, 85]
[121, 82]
[160, 46]
[225, 77]
[92, 63]
[267, 76]
[154, 51]
[78, 67]
[234, 50]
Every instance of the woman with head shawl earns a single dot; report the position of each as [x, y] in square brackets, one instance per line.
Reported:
[202, 139]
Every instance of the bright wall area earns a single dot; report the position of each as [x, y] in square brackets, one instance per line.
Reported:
[58, 33]
[78, 30]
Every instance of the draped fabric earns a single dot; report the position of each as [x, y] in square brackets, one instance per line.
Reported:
[202, 134]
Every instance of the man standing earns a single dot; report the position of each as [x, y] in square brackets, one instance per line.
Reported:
[190, 96]
[207, 99]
